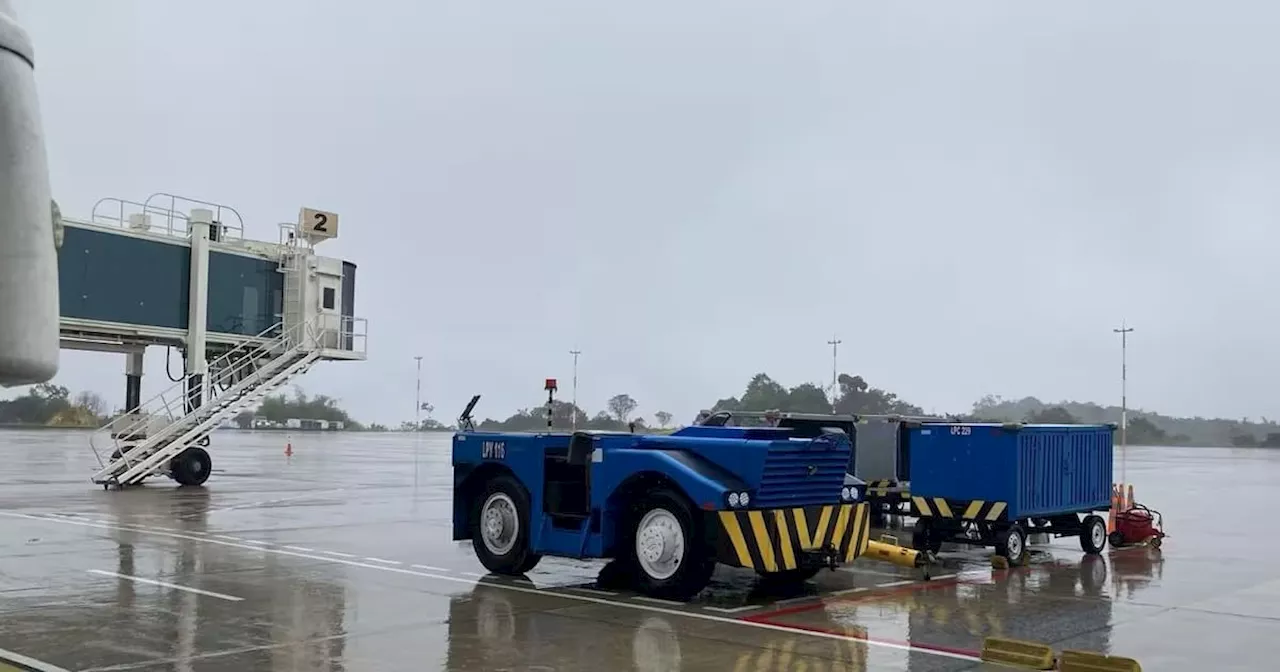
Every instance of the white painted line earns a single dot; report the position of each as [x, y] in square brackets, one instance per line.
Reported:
[847, 591]
[255, 542]
[223, 536]
[655, 600]
[210, 593]
[338, 555]
[253, 505]
[304, 549]
[733, 610]
[944, 577]
[619, 604]
[32, 663]
[592, 591]
[478, 576]
[797, 600]
[429, 568]
[871, 572]
[385, 562]
[891, 584]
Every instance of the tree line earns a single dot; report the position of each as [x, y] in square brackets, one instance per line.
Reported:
[762, 393]
[855, 396]
[52, 405]
[278, 408]
[1144, 427]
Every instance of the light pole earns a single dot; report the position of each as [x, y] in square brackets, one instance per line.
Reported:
[417, 398]
[573, 412]
[1124, 332]
[835, 345]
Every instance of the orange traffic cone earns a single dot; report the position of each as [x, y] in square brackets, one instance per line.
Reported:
[1111, 513]
[288, 447]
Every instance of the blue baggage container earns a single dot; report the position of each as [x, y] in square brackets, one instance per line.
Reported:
[991, 477]
[1035, 470]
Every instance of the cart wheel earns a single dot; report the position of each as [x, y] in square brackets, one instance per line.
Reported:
[1116, 539]
[663, 547]
[1012, 544]
[1093, 534]
[500, 527]
[1156, 541]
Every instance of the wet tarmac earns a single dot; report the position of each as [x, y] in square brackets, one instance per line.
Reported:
[339, 558]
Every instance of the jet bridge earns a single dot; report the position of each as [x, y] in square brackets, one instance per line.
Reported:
[246, 315]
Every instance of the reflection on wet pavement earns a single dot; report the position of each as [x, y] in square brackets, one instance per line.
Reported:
[339, 558]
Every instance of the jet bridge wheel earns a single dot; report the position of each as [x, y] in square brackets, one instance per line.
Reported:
[500, 527]
[664, 547]
[191, 466]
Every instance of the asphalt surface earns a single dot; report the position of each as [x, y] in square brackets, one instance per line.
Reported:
[339, 558]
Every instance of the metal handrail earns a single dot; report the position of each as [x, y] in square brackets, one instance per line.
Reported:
[136, 414]
[179, 429]
[218, 209]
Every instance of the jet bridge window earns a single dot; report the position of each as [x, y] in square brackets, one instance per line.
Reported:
[330, 298]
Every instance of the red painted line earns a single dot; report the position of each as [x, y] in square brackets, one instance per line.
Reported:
[869, 596]
[937, 648]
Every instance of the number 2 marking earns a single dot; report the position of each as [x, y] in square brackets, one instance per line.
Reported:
[322, 220]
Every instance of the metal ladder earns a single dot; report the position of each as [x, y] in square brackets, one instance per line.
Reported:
[246, 374]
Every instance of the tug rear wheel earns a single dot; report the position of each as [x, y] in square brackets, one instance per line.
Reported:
[665, 548]
[191, 466]
[500, 527]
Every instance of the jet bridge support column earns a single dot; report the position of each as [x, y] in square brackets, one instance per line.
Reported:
[133, 381]
[197, 316]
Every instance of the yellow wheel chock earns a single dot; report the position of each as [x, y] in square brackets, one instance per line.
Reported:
[1084, 661]
[1017, 653]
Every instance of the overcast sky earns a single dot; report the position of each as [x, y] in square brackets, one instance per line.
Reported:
[970, 194]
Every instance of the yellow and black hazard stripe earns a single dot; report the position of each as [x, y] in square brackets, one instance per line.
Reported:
[886, 488]
[775, 540]
[940, 507]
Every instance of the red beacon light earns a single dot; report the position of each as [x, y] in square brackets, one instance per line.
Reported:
[550, 385]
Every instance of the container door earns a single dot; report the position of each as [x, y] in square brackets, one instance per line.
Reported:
[330, 311]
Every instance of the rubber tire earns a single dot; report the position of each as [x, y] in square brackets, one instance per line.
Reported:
[1086, 534]
[520, 559]
[1115, 539]
[699, 562]
[1002, 544]
[191, 466]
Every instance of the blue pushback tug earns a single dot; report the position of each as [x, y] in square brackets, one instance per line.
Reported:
[666, 507]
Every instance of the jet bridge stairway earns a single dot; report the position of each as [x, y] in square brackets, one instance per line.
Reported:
[166, 435]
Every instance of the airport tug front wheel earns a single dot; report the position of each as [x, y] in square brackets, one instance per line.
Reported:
[500, 527]
[191, 466]
[1011, 542]
[666, 548]
[1093, 534]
